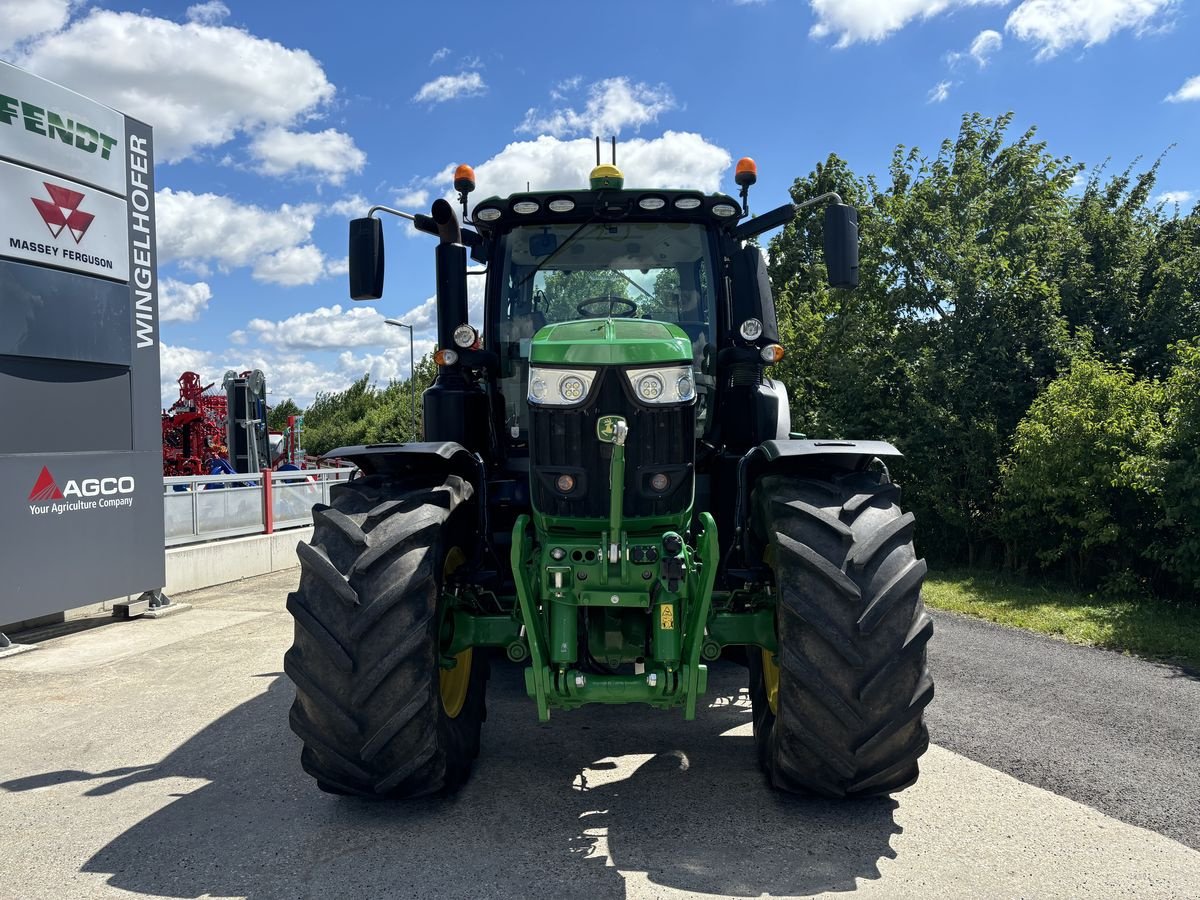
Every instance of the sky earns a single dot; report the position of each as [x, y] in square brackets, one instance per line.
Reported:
[276, 122]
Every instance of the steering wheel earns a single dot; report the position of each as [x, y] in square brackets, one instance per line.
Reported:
[613, 301]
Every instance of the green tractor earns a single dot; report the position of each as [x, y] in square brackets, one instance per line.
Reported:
[608, 495]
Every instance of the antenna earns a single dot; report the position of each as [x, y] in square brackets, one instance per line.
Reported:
[614, 149]
[597, 149]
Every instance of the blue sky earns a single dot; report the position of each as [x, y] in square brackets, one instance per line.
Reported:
[277, 121]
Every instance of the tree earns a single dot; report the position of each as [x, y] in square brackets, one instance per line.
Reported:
[277, 416]
[565, 290]
[338, 418]
[955, 326]
[1179, 545]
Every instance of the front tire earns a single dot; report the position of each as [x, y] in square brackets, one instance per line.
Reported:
[838, 711]
[378, 715]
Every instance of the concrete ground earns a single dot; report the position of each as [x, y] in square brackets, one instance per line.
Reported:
[153, 758]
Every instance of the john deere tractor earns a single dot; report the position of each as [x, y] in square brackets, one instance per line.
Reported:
[609, 497]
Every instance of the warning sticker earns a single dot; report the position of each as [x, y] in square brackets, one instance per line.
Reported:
[666, 616]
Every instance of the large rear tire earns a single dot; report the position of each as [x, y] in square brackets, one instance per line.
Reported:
[839, 710]
[378, 715]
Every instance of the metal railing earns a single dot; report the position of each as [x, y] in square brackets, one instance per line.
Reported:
[200, 508]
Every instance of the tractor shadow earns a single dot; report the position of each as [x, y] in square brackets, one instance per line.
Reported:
[559, 810]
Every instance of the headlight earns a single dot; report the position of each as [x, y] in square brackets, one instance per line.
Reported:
[667, 384]
[560, 387]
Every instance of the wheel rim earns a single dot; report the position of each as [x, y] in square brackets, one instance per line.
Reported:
[770, 671]
[454, 683]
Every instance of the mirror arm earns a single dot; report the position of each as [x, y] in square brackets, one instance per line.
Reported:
[420, 222]
[426, 224]
[780, 216]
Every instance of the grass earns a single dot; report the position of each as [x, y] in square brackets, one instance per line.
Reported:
[1155, 629]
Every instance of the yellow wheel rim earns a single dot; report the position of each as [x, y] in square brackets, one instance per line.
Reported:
[770, 668]
[770, 672]
[453, 684]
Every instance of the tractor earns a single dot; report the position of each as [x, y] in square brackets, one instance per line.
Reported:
[609, 496]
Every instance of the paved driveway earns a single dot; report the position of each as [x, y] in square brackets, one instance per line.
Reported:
[152, 758]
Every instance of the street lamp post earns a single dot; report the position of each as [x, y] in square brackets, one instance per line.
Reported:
[412, 374]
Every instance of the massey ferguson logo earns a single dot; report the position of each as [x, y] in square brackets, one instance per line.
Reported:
[62, 211]
[47, 497]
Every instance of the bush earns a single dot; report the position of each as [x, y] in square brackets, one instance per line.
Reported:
[1179, 546]
[1080, 489]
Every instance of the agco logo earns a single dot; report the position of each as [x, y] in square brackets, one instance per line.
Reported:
[62, 211]
[110, 491]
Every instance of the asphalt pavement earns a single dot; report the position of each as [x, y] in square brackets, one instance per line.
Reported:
[153, 759]
[1115, 732]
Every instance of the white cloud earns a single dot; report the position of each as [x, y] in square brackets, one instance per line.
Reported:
[22, 20]
[354, 206]
[179, 301]
[291, 266]
[214, 12]
[678, 159]
[1182, 199]
[326, 328]
[287, 375]
[173, 361]
[1189, 91]
[559, 91]
[450, 87]
[390, 365]
[985, 44]
[201, 228]
[412, 198]
[874, 20]
[197, 84]
[330, 154]
[204, 230]
[439, 54]
[1057, 24]
[939, 92]
[612, 105]
[337, 266]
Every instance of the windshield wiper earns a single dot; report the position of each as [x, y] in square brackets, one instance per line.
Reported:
[557, 250]
[631, 281]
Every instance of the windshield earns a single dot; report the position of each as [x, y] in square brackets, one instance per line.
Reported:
[553, 273]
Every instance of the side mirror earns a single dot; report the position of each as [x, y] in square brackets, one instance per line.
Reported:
[366, 259]
[841, 245]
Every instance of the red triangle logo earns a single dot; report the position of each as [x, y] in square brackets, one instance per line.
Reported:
[45, 488]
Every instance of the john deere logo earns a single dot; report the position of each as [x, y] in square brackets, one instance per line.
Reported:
[62, 211]
[606, 428]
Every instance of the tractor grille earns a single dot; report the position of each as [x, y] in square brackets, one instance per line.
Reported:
[563, 441]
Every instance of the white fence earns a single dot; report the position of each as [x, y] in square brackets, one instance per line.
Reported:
[207, 507]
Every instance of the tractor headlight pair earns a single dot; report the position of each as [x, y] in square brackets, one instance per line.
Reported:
[560, 387]
[668, 384]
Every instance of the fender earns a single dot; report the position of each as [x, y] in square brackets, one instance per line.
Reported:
[796, 455]
[448, 457]
[778, 454]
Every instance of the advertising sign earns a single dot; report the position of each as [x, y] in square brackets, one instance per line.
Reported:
[63, 224]
[63, 132]
[81, 491]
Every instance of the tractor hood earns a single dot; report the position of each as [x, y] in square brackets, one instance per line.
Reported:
[610, 342]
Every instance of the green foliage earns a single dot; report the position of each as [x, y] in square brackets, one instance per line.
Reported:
[955, 326]
[565, 290]
[1081, 484]
[987, 282]
[277, 416]
[365, 414]
[1179, 540]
